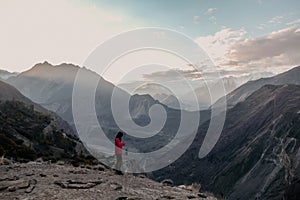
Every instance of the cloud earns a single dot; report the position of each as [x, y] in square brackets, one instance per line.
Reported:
[171, 79]
[275, 49]
[219, 44]
[236, 52]
[206, 73]
[276, 19]
[210, 11]
[173, 75]
[213, 19]
[261, 26]
[297, 21]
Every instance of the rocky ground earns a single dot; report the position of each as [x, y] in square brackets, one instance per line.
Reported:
[41, 180]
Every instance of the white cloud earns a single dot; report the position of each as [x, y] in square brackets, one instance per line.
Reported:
[279, 48]
[219, 44]
[276, 19]
[55, 30]
[275, 52]
[173, 75]
[297, 21]
[213, 19]
[210, 11]
[261, 26]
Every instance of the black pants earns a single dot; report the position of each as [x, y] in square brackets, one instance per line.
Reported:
[119, 162]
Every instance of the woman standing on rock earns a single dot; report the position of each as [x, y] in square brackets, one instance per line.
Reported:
[118, 151]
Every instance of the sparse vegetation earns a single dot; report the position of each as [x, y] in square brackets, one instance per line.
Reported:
[23, 136]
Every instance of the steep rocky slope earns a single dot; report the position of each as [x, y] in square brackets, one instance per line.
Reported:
[29, 131]
[9, 93]
[258, 153]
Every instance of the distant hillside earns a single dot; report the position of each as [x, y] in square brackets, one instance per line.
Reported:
[8, 92]
[203, 93]
[52, 86]
[240, 94]
[257, 155]
[5, 74]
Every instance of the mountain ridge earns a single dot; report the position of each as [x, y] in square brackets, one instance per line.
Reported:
[289, 77]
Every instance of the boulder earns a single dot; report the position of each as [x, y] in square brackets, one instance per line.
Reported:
[201, 195]
[167, 182]
[122, 198]
[12, 188]
[30, 189]
[98, 167]
[191, 196]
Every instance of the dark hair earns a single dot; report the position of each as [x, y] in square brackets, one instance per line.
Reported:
[119, 135]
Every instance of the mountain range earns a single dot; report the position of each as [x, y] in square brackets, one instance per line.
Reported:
[197, 99]
[52, 87]
[256, 156]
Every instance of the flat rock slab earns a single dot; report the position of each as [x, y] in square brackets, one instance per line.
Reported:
[14, 185]
[71, 184]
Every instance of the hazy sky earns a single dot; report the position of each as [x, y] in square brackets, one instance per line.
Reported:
[241, 36]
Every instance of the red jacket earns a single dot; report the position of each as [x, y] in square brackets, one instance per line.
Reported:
[118, 146]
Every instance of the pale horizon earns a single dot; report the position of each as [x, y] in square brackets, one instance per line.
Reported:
[68, 31]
